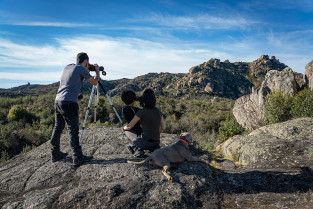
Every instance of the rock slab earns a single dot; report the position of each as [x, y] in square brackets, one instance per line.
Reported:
[31, 180]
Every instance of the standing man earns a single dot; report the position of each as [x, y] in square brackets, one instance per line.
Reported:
[66, 108]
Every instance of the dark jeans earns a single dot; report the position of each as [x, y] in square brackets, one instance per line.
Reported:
[66, 112]
[135, 140]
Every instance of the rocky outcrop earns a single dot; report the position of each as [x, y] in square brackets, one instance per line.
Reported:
[271, 177]
[280, 153]
[249, 109]
[261, 66]
[282, 81]
[31, 180]
[309, 74]
[218, 78]
[282, 145]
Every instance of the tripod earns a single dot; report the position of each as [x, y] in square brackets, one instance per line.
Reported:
[95, 89]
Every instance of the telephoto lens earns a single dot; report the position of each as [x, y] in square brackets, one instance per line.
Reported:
[93, 68]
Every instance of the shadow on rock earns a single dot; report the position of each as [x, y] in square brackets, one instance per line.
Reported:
[260, 181]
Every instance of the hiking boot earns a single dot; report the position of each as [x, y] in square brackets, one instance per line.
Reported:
[58, 156]
[81, 160]
[139, 153]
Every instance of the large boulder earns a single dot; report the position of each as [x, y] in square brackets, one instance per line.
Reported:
[249, 109]
[277, 159]
[282, 81]
[288, 144]
[309, 74]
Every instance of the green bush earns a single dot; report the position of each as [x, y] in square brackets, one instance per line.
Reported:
[277, 108]
[207, 140]
[17, 112]
[9, 135]
[302, 104]
[230, 127]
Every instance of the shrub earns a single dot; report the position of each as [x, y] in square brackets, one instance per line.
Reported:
[277, 108]
[230, 127]
[27, 148]
[207, 140]
[9, 135]
[17, 112]
[4, 156]
[302, 104]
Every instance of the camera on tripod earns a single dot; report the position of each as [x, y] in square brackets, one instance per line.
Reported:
[93, 68]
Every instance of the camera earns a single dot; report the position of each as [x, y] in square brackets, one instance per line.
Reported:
[93, 68]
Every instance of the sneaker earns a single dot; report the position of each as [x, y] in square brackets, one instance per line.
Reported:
[58, 156]
[81, 160]
[139, 153]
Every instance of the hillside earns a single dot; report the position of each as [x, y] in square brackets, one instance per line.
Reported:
[277, 172]
[214, 78]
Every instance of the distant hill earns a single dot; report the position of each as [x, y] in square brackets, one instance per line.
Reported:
[214, 78]
[30, 89]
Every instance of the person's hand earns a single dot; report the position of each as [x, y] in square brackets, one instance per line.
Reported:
[97, 71]
[96, 67]
[125, 128]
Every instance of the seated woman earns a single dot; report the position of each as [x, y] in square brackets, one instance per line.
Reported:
[152, 123]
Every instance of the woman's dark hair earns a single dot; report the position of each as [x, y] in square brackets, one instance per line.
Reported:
[128, 96]
[148, 99]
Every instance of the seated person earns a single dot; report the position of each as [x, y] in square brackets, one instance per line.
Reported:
[129, 110]
[129, 97]
[152, 123]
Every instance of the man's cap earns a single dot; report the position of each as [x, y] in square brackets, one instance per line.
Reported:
[81, 57]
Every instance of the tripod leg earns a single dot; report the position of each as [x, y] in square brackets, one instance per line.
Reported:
[90, 99]
[107, 96]
[96, 104]
[114, 109]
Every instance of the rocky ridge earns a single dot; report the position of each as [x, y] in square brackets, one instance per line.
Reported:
[276, 173]
[214, 78]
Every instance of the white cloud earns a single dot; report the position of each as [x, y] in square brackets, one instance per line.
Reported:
[8, 18]
[31, 76]
[50, 24]
[121, 57]
[195, 22]
[130, 57]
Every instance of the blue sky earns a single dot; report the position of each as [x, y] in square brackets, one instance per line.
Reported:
[134, 37]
